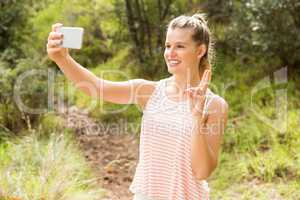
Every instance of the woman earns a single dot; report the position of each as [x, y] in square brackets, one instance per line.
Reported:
[183, 121]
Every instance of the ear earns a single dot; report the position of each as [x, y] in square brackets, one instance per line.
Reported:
[201, 50]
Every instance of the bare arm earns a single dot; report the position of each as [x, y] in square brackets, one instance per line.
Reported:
[125, 92]
[134, 91]
[207, 138]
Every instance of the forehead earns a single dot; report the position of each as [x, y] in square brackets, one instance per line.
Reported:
[179, 35]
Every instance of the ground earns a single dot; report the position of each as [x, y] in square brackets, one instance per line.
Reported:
[112, 156]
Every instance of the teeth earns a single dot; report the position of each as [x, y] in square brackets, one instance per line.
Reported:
[174, 62]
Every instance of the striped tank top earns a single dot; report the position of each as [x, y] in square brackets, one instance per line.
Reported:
[164, 169]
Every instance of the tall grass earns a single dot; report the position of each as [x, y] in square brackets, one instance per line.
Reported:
[49, 168]
[257, 160]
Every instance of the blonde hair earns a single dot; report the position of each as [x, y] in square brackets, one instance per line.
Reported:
[202, 35]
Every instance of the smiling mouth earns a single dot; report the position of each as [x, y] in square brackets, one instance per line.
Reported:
[173, 62]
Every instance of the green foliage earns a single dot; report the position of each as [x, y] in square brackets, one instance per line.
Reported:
[33, 169]
[256, 156]
[275, 163]
[257, 190]
[259, 162]
[268, 29]
[21, 93]
[51, 123]
[18, 58]
[14, 29]
[86, 14]
[10, 13]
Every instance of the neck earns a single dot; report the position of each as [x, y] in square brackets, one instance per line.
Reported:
[183, 82]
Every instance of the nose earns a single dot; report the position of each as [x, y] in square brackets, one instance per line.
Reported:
[170, 53]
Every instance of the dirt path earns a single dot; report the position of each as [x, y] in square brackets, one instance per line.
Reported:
[113, 156]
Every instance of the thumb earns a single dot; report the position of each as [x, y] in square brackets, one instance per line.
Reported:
[189, 92]
[56, 26]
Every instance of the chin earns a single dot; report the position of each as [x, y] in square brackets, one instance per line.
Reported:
[174, 70]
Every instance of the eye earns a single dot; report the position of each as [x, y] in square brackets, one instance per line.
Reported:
[167, 46]
[180, 46]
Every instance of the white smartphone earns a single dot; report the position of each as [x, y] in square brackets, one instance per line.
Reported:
[72, 37]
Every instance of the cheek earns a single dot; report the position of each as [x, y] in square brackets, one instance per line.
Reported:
[187, 57]
[191, 56]
[190, 59]
[165, 55]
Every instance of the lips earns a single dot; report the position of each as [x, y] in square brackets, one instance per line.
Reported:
[173, 63]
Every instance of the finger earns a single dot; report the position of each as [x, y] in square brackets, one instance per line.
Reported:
[206, 80]
[209, 76]
[189, 93]
[186, 91]
[203, 85]
[194, 93]
[55, 26]
[199, 108]
[55, 36]
[54, 43]
[200, 92]
[54, 50]
[205, 77]
[189, 90]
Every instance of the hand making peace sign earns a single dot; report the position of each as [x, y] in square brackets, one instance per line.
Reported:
[197, 95]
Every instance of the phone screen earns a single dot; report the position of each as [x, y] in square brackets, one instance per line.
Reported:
[72, 37]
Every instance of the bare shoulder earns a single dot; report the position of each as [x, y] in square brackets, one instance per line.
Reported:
[145, 86]
[218, 106]
[217, 114]
[144, 90]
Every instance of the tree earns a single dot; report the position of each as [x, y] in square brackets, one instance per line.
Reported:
[267, 29]
[14, 16]
[146, 22]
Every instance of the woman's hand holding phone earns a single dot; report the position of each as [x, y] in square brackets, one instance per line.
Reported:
[54, 49]
[61, 38]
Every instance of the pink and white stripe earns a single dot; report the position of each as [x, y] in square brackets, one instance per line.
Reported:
[164, 169]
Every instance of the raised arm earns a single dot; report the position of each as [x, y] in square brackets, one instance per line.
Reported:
[136, 91]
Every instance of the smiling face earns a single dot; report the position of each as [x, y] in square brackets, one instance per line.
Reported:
[182, 54]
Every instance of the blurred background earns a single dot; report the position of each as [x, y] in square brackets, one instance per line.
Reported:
[57, 143]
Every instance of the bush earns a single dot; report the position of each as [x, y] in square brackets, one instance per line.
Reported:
[32, 168]
[22, 88]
